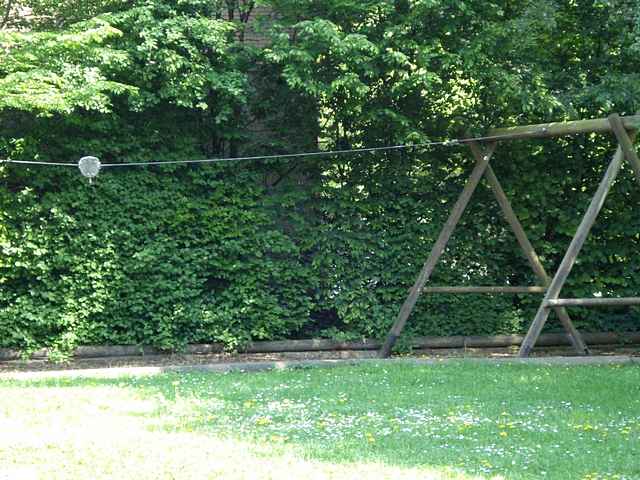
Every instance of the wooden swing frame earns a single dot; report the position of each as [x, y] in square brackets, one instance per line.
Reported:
[624, 129]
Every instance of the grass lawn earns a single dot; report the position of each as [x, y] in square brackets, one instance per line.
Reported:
[452, 421]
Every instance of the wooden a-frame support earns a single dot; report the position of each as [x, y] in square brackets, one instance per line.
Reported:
[624, 129]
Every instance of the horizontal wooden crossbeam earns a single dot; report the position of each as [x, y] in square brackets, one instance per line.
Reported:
[592, 302]
[498, 289]
[558, 129]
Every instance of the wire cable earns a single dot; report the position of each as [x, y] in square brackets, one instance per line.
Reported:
[320, 153]
[31, 162]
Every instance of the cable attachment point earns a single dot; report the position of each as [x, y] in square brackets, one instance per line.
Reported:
[89, 167]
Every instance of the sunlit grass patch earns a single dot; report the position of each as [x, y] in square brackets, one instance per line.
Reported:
[452, 421]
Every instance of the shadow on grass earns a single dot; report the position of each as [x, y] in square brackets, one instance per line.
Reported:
[481, 420]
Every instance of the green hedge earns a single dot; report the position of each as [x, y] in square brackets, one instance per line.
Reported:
[171, 255]
[282, 249]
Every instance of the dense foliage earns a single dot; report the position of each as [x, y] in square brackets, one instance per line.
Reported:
[169, 255]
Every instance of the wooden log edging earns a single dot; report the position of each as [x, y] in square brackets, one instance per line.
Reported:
[325, 345]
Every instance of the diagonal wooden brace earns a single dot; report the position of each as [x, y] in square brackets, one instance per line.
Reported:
[527, 248]
[626, 143]
[573, 250]
[437, 250]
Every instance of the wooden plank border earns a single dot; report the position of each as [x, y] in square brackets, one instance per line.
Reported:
[327, 345]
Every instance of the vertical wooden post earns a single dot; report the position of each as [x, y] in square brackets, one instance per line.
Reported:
[437, 250]
[527, 248]
[572, 252]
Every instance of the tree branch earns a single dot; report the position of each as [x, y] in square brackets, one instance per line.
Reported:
[8, 6]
